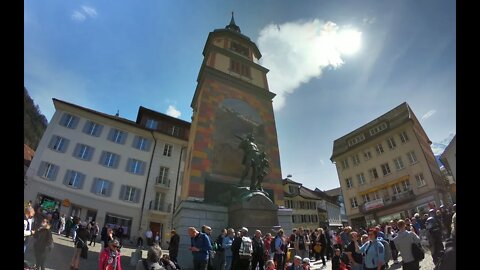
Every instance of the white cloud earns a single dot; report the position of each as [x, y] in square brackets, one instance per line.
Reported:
[81, 15]
[89, 11]
[172, 111]
[77, 16]
[296, 52]
[428, 114]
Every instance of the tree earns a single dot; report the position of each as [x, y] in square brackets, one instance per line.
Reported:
[34, 122]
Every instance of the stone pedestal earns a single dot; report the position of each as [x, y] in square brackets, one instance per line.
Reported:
[196, 214]
[254, 211]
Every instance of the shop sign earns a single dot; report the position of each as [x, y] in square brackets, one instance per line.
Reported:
[66, 202]
[374, 204]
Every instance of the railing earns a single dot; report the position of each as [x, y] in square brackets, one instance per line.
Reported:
[157, 206]
[386, 201]
[160, 182]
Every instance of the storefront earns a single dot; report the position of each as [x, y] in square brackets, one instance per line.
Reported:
[116, 221]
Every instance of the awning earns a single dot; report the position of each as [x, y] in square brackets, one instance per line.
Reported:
[385, 185]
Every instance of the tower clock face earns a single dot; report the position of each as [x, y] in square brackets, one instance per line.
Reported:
[234, 118]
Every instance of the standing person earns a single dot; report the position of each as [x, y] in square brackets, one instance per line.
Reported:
[157, 238]
[173, 245]
[93, 232]
[240, 262]
[27, 226]
[61, 226]
[220, 252]
[301, 243]
[149, 236]
[108, 237]
[103, 234]
[55, 220]
[322, 239]
[227, 246]
[280, 248]
[434, 235]
[353, 252]
[110, 257]
[403, 242]
[258, 251]
[80, 242]
[200, 246]
[374, 252]
[267, 241]
[152, 262]
[43, 244]
[119, 235]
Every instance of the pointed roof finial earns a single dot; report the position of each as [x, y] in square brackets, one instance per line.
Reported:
[118, 113]
[232, 26]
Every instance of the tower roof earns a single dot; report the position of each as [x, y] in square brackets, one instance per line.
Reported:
[232, 26]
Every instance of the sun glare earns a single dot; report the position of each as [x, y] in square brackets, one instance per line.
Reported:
[348, 41]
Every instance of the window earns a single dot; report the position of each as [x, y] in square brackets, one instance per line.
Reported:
[58, 144]
[83, 151]
[48, 171]
[366, 198]
[385, 168]
[396, 189]
[151, 124]
[102, 187]
[403, 137]
[379, 149]
[356, 140]
[93, 129]
[378, 128]
[361, 179]
[374, 195]
[135, 166]
[163, 175]
[129, 194]
[117, 136]
[236, 47]
[174, 131]
[167, 150]
[391, 143]
[239, 68]
[349, 182]
[412, 158]
[109, 159]
[141, 143]
[406, 185]
[420, 180]
[398, 163]
[74, 179]
[69, 121]
[353, 202]
[345, 164]
[367, 155]
[373, 173]
[355, 160]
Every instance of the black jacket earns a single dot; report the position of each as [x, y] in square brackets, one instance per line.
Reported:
[448, 261]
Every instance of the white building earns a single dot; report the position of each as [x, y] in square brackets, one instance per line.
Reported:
[110, 169]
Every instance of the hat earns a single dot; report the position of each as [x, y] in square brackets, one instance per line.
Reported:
[298, 258]
[431, 211]
[306, 260]
[114, 242]
[243, 229]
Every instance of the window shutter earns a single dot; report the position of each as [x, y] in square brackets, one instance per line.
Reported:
[86, 127]
[81, 181]
[52, 141]
[129, 165]
[54, 172]
[142, 168]
[102, 158]
[122, 192]
[98, 132]
[63, 119]
[136, 199]
[41, 169]
[136, 139]
[90, 153]
[76, 152]
[110, 134]
[94, 185]
[116, 159]
[67, 177]
[123, 139]
[64, 145]
[147, 145]
[75, 121]
[109, 189]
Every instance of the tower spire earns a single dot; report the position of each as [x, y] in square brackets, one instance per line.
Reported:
[232, 26]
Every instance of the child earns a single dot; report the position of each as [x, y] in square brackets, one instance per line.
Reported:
[336, 260]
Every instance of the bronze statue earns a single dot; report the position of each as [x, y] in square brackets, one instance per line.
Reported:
[254, 161]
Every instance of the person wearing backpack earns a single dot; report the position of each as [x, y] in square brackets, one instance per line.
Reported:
[374, 252]
[403, 242]
[242, 250]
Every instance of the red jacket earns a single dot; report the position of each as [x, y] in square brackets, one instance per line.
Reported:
[106, 262]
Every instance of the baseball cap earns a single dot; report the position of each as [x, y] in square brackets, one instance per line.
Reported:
[243, 229]
[306, 260]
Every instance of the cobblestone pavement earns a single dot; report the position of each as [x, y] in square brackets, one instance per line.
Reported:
[61, 255]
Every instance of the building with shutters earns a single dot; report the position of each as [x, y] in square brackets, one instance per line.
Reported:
[110, 169]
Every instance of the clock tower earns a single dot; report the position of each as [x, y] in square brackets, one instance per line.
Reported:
[231, 100]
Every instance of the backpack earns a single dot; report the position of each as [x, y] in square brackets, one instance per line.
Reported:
[246, 248]
[388, 251]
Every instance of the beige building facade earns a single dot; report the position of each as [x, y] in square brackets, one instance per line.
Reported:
[387, 169]
[109, 169]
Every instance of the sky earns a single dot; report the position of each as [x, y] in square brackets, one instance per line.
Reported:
[334, 65]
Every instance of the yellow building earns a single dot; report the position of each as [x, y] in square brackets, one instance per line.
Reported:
[303, 203]
[387, 169]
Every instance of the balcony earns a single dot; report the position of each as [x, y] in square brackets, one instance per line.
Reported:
[386, 201]
[162, 183]
[159, 208]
